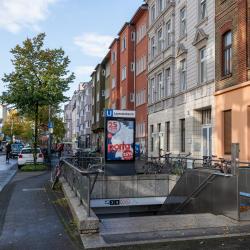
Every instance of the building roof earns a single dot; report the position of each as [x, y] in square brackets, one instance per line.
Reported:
[123, 28]
[106, 58]
[114, 41]
[138, 13]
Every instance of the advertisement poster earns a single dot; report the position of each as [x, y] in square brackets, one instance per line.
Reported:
[120, 139]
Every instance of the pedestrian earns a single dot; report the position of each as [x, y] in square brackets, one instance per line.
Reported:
[60, 149]
[8, 150]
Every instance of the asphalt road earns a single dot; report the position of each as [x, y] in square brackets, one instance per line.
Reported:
[32, 217]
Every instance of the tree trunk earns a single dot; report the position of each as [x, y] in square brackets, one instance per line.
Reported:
[36, 134]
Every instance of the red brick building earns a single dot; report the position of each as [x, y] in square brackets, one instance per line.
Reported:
[140, 23]
[114, 99]
[127, 66]
[232, 96]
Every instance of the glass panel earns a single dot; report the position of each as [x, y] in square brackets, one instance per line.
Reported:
[204, 136]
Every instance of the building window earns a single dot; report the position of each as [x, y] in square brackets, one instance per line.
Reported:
[97, 117]
[227, 131]
[160, 40]
[167, 127]
[168, 33]
[159, 139]
[153, 47]
[206, 117]
[141, 65]
[123, 102]
[152, 90]
[152, 13]
[183, 75]
[123, 43]
[182, 133]
[124, 72]
[160, 86]
[113, 57]
[141, 32]
[183, 24]
[227, 53]
[113, 82]
[202, 65]
[151, 138]
[160, 6]
[202, 9]
[168, 82]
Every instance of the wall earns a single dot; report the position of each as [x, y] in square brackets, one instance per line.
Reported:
[238, 100]
[133, 186]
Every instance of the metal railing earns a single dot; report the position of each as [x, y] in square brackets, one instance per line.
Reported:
[82, 180]
[176, 164]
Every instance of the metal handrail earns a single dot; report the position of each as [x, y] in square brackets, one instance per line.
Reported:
[88, 174]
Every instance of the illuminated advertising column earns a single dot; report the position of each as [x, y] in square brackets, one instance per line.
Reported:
[119, 136]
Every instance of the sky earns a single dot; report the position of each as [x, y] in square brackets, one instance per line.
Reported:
[84, 29]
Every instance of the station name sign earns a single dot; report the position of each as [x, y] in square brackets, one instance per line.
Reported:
[119, 113]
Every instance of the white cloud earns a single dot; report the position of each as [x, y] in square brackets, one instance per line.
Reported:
[18, 14]
[93, 44]
[84, 71]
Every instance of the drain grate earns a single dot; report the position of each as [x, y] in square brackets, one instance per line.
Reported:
[32, 189]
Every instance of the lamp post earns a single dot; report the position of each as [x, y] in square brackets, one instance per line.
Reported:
[50, 130]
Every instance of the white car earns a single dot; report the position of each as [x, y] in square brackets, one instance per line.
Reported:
[26, 156]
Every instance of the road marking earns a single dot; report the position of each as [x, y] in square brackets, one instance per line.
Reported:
[32, 189]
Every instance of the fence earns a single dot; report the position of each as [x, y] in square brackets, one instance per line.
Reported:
[82, 179]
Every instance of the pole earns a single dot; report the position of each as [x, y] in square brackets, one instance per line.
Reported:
[49, 143]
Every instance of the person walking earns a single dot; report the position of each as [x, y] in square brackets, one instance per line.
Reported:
[8, 150]
[60, 148]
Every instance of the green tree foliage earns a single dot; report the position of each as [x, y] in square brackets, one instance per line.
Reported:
[17, 125]
[40, 78]
[59, 129]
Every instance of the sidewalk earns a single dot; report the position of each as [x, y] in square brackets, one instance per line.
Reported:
[32, 217]
[7, 171]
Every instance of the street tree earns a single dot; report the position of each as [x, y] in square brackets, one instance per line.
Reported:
[40, 78]
[17, 125]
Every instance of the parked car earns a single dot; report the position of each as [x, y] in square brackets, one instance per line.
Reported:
[15, 149]
[26, 156]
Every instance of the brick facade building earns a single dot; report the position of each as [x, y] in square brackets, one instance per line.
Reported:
[140, 23]
[114, 98]
[127, 66]
[232, 96]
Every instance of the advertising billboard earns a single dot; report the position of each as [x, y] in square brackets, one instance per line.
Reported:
[120, 139]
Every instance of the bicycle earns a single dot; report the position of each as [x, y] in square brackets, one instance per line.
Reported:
[58, 172]
[153, 166]
[180, 165]
[224, 166]
[208, 161]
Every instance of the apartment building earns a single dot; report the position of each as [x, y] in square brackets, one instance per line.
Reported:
[68, 122]
[181, 76]
[77, 117]
[106, 67]
[114, 98]
[3, 116]
[140, 23]
[98, 105]
[232, 96]
[85, 98]
[127, 66]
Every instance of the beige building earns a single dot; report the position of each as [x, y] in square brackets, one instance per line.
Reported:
[181, 76]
